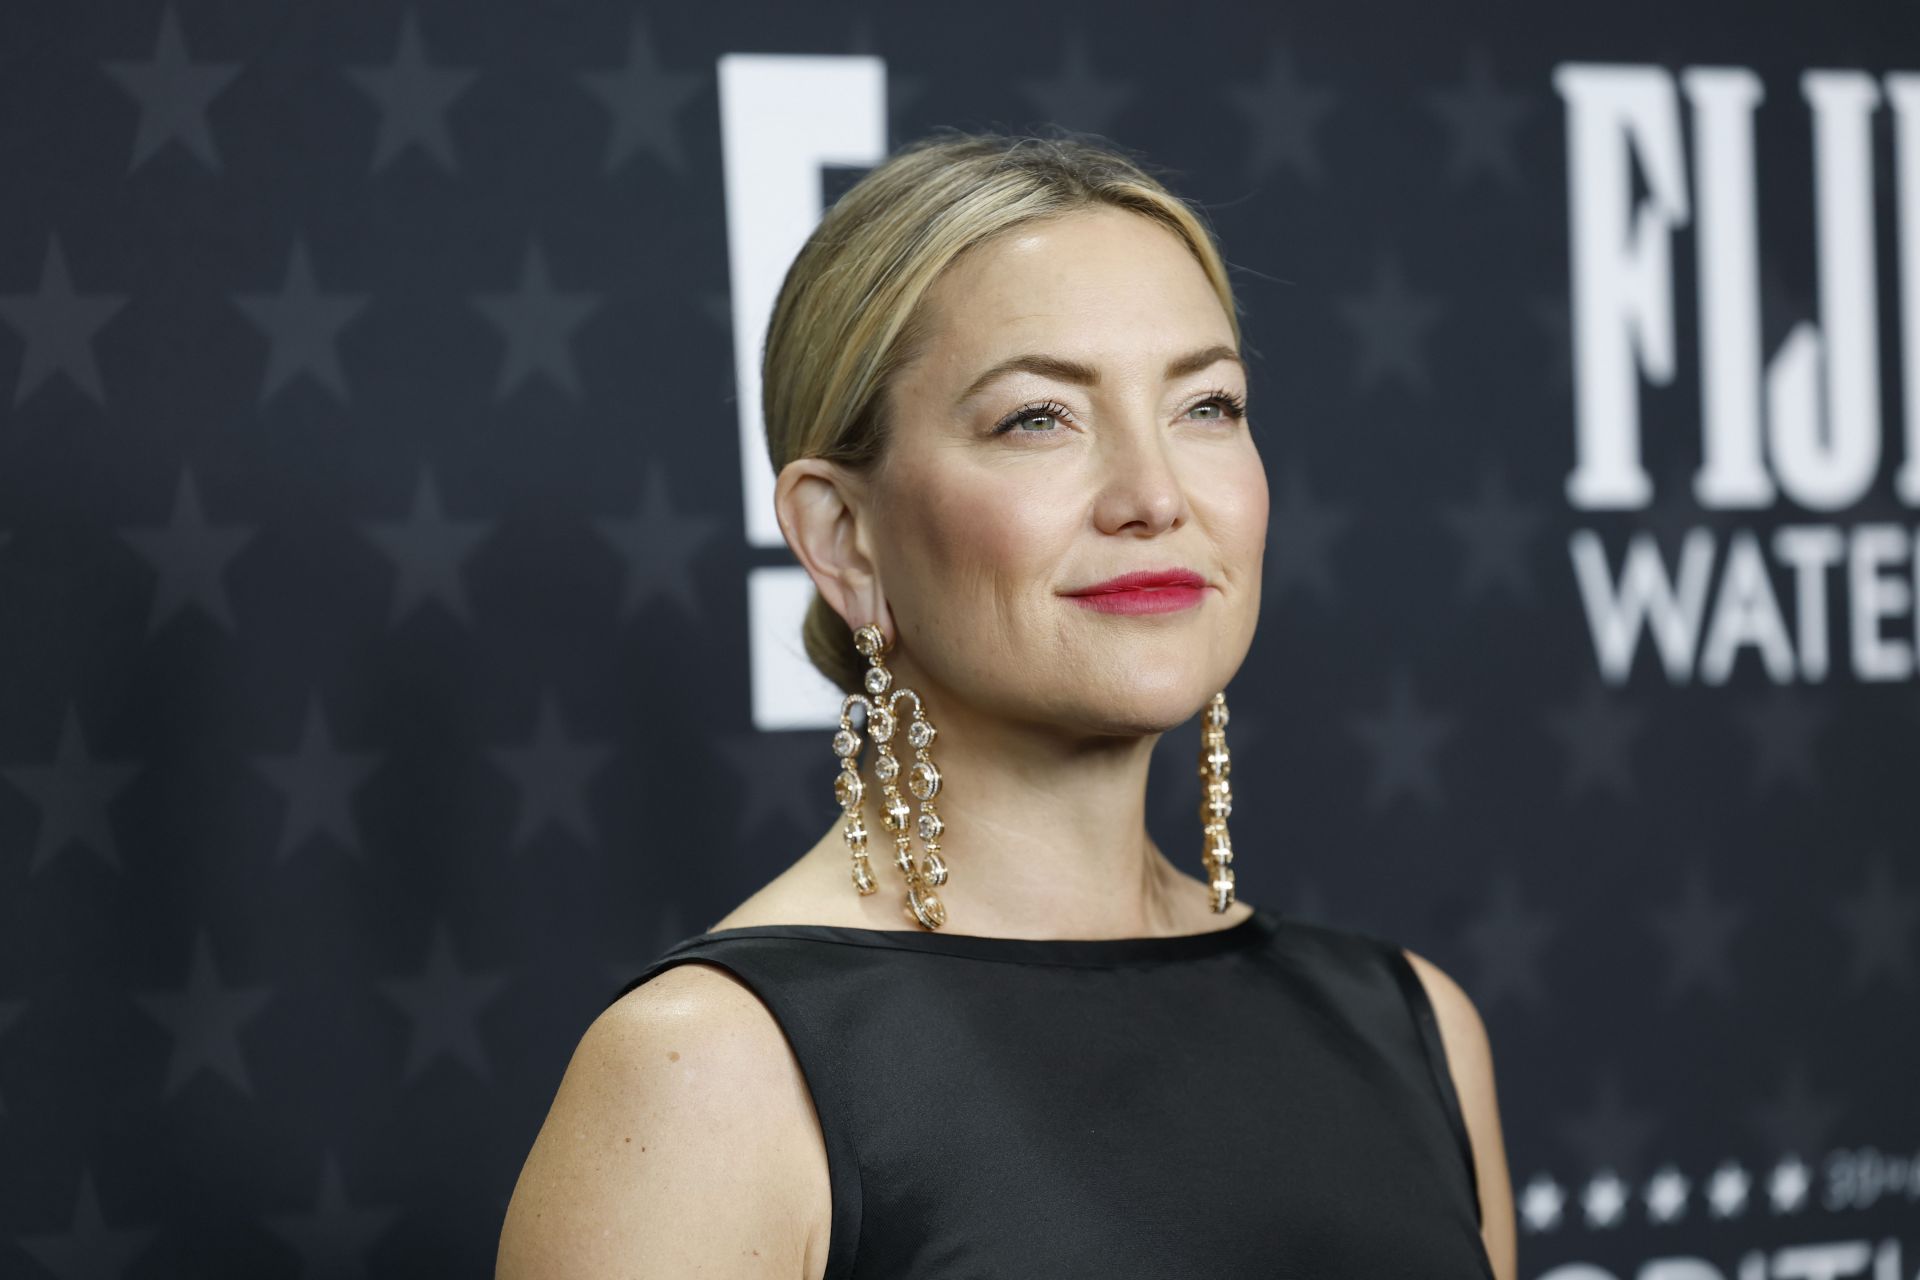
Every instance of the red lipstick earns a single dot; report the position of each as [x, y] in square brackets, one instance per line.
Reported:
[1144, 591]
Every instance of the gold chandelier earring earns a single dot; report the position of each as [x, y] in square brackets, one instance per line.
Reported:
[923, 905]
[1216, 802]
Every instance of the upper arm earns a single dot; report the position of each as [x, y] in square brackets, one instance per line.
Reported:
[1470, 1063]
[682, 1141]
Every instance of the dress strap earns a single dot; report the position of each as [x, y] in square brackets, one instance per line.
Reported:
[1424, 1018]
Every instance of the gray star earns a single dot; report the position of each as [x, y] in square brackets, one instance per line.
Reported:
[173, 95]
[443, 1002]
[1072, 94]
[1795, 1120]
[1495, 530]
[91, 1247]
[775, 779]
[1611, 1133]
[1697, 930]
[1402, 740]
[538, 324]
[58, 327]
[413, 97]
[1300, 535]
[333, 1239]
[428, 551]
[189, 557]
[1552, 313]
[1481, 119]
[1506, 940]
[658, 546]
[204, 1017]
[552, 772]
[73, 794]
[1598, 735]
[643, 99]
[1390, 323]
[1783, 723]
[319, 782]
[302, 326]
[1880, 921]
[1283, 113]
[10, 1011]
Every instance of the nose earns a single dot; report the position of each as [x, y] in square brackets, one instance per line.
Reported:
[1140, 489]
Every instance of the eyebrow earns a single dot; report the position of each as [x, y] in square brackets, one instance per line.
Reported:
[1086, 375]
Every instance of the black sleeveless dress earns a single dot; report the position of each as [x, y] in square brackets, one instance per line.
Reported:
[1265, 1100]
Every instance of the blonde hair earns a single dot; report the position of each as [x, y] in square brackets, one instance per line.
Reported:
[848, 315]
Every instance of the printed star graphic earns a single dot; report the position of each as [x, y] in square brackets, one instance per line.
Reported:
[10, 1011]
[443, 1003]
[770, 777]
[1402, 740]
[204, 1018]
[1391, 323]
[1788, 1185]
[73, 794]
[1481, 119]
[1696, 931]
[91, 1247]
[1071, 94]
[552, 772]
[1506, 940]
[1495, 530]
[190, 558]
[1540, 1204]
[1727, 1190]
[538, 324]
[413, 97]
[1796, 1120]
[1666, 1195]
[173, 95]
[58, 327]
[1301, 532]
[1604, 1199]
[428, 552]
[1598, 735]
[1783, 723]
[658, 545]
[318, 782]
[1282, 112]
[333, 1239]
[643, 98]
[302, 326]
[1880, 923]
[1610, 1134]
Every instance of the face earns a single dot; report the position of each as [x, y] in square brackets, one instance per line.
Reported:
[997, 500]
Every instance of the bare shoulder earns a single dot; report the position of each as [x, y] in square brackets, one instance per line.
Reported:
[682, 1140]
[1470, 1064]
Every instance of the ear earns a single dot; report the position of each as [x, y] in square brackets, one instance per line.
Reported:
[822, 510]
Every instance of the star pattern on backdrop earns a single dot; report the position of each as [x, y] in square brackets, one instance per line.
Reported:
[333, 1238]
[1540, 1204]
[1727, 1189]
[443, 1004]
[1072, 93]
[1391, 323]
[1301, 533]
[173, 93]
[1666, 1195]
[1597, 735]
[537, 322]
[190, 557]
[1481, 120]
[429, 553]
[643, 101]
[302, 327]
[204, 1017]
[89, 1247]
[1696, 931]
[73, 794]
[318, 781]
[1610, 1133]
[1506, 940]
[552, 774]
[1879, 921]
[657, 546]
[1282, 112]
[1402, 741]
[1495, 529]
[768, 777]
[413, 97]
[1784, 723]
[57, 326]
[1795, 1119]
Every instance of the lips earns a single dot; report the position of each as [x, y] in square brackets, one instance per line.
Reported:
[1146, 580]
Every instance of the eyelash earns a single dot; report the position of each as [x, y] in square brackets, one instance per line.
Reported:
[1234, 407]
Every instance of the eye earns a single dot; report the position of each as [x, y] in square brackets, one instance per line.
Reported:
[1030, 413]
[1231, 408]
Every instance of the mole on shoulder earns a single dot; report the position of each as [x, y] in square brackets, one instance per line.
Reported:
[673, 1055]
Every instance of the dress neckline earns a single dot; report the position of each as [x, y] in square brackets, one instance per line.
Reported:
[1250, 932]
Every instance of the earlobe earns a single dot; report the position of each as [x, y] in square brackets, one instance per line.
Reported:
[819, 507]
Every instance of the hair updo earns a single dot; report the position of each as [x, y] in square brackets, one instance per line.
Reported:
[847, 316]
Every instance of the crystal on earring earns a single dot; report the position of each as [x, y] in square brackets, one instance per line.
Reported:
[880, 724]
[848, 788]
[930, 826]
[878, 678]
[898, 811]
[846, 743]
[887, 766]
[924, 780]
[920, 734]
[1217, 715]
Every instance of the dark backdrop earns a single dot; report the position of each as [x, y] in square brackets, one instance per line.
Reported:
[393, 656]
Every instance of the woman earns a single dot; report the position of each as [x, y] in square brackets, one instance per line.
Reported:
[1002, 381]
